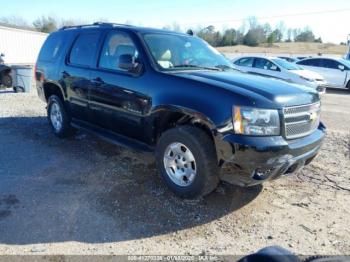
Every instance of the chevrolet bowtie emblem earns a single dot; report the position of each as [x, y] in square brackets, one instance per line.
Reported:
[313, 116]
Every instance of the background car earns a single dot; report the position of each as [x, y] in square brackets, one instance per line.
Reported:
[335, 71]
[279, 68]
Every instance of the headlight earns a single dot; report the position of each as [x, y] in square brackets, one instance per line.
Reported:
[255, 121]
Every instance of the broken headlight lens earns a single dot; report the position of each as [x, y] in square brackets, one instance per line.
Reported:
[255, 121]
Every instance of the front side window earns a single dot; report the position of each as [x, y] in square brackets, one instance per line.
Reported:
[285, 64]
[310, 62]
[84, 49]
[116, 44]
[247, 61]
[181, 52]
[265, 64]
[331, 64]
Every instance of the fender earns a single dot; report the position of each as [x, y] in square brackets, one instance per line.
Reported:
[198, 116]
[194, 117]
[62, 90]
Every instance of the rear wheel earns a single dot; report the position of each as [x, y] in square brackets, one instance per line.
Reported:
[58, 117]
[186, 159]
[348, 86]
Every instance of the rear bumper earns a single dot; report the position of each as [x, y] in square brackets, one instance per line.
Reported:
[253, 160]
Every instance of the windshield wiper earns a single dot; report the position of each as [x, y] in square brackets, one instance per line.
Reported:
[226, 67]
[199, 67]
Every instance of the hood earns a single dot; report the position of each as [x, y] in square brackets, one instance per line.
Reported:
[308, 74]
[274, 90]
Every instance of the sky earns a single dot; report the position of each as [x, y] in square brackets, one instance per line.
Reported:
[328, 19]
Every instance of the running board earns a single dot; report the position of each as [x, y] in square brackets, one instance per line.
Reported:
[111, 137]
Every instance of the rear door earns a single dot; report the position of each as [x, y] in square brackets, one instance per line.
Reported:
[75, 74]
[118, 99]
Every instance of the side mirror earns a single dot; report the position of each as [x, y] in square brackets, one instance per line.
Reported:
[2, 55]
[127, 63]
[274, 68]
[341, 67]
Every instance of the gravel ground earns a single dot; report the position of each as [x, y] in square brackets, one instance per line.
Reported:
[84, 196]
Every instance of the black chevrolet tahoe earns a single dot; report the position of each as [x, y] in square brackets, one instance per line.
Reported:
[175, 95]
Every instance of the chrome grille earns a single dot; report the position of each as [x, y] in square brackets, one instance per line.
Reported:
[302, 120]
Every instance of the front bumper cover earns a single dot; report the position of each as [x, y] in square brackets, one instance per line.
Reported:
[248, 161]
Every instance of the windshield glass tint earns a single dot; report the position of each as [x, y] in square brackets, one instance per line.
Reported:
[345, 62]
[286, 65]
[174, 52]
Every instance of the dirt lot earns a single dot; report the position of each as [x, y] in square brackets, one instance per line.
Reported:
[85, 196]
[288, 48]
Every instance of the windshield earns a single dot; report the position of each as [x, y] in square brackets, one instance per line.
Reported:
[181, 52]
[286, 65]
[345, 62]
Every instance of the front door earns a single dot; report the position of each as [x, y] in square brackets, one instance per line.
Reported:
[118, 100]
[332, 73]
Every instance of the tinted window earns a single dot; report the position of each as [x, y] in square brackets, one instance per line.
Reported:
[310, 62]
[265, 64]
[84, 48]
[328, 63]
[116, 44]
[51, 48]
[248, 61]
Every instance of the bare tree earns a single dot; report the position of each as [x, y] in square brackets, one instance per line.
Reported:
[46, 24]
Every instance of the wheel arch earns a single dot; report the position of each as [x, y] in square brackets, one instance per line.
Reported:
[167, 117]
[51, 88]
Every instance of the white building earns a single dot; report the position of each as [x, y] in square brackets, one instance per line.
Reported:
[20, 46]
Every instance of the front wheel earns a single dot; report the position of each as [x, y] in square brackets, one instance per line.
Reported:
[186, 159]
[58, 117]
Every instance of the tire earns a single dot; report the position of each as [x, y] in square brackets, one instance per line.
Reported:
[6, 80]
[348, 86]
[58, 117]
[18, 89]
[204, 170]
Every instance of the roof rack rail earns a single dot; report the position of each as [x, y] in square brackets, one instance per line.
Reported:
[105, 24]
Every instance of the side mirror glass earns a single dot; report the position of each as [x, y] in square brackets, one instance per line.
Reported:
[341, 67]
[127, 63]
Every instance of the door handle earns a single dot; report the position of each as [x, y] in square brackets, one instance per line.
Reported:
[65, 74]
[97, 81]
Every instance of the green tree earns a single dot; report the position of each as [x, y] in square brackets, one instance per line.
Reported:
[255, 36]
[305, 36]
[229, 37]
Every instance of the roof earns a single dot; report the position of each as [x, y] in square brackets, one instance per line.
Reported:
[114, 25]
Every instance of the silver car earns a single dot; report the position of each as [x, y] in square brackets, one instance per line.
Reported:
[335, 71]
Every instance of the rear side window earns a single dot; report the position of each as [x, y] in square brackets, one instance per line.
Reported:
[84, 49]
[51, 48]
[248, 61]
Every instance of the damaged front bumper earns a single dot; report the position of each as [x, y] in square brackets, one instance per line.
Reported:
[248, 161]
